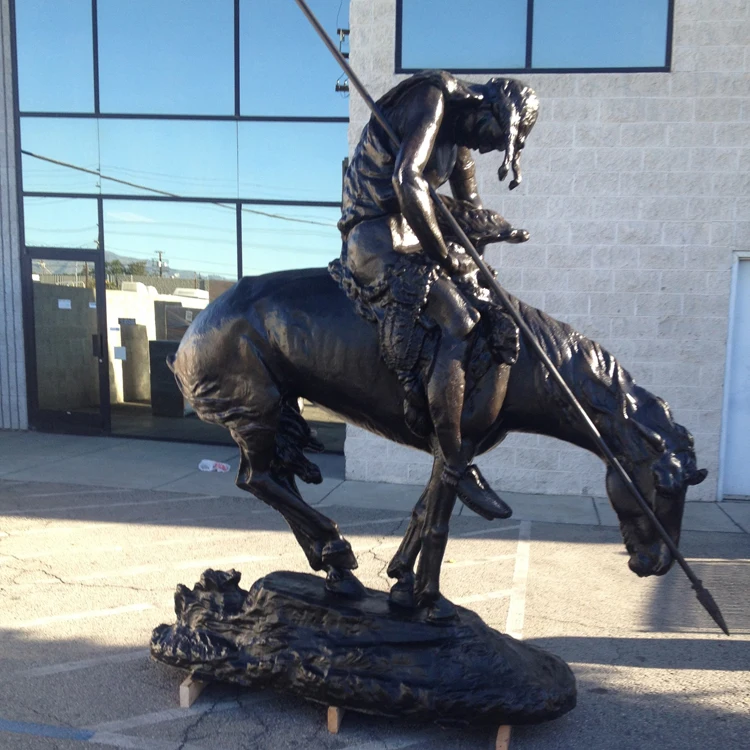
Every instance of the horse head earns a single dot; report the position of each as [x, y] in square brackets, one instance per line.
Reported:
[664, 469]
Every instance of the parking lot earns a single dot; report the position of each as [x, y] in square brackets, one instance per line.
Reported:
[88, 569]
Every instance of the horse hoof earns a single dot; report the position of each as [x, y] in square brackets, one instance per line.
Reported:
[441, 611]
[344, 583]
[338, 554]
[402, 593]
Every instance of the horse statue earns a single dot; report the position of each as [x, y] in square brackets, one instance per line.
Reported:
[271, 339]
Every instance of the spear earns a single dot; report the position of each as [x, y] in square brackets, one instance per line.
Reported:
[701, 592]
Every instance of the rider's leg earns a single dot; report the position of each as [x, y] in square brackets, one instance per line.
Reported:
[447, 383]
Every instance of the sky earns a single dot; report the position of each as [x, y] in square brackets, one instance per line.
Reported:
[177, 57]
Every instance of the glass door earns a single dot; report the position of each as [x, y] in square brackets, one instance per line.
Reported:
[67, 340]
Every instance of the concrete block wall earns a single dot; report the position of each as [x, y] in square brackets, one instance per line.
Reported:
[12, 364]
[636, 193]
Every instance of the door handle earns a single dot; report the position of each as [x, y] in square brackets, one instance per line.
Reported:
[97, 346]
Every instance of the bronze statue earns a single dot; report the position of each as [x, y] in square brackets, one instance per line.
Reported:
[409, 335]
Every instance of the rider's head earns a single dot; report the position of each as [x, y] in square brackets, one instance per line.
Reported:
[507, 113]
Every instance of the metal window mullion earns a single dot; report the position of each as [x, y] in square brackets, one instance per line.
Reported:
[95, 52]
[238, 229]
[529, 31]
[236, 58]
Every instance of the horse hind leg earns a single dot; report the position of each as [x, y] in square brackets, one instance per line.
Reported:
[263, 475]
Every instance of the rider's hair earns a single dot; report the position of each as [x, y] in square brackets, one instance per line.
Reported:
[515, 107]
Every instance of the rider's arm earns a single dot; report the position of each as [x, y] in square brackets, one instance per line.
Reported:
[463, 179]
[412, 189]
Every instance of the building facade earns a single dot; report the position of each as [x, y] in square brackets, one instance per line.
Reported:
[636, 194]
[138, 137]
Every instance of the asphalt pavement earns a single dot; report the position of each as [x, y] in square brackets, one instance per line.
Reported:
[95, 533]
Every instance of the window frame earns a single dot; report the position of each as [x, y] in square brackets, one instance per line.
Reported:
[528, 68]
[27, 251]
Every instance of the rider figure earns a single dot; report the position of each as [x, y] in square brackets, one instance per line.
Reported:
[388, 211]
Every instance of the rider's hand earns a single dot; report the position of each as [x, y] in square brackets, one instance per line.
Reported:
[451, 265]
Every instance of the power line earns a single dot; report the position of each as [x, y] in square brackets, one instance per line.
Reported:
[101, 176]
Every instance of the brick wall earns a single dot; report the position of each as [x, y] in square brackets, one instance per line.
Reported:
[636, 193]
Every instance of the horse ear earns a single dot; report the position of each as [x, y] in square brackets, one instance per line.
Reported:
[698, 477]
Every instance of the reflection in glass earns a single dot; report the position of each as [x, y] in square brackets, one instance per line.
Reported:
[192, 158]
[73, 142]
[277, 238]
[194, 242]
[291, 160]
[166, 57]
[486, 34]
[65, 324]
[60, 222]
[55, 60]
[164, 263]
[284, 67]
[599, 33]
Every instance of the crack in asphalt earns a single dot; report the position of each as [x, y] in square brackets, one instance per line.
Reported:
[376, 558]
[186, 734]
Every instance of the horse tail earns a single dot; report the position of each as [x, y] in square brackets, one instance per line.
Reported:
[170, 361]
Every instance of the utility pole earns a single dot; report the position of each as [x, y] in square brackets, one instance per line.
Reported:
[161, 263]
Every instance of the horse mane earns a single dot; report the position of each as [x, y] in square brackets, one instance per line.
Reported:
[637, 425]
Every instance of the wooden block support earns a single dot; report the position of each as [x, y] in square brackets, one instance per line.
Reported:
[335, 716]
[503, 738]
[190, 689]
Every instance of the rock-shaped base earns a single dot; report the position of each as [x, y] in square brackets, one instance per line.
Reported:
[289, 634]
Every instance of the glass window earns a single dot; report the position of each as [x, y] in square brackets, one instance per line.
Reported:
[183, 241]
[566, 34]
[60, 222]
[184, 158]
[291, 160]
[284, 67]
[55, 58]
[473, 34]
[58, 153]
[599, 33]
[277, 238]
[167, 57]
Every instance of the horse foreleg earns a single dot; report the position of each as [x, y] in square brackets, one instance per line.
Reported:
[440, 500]
[317, 535]
[401, 566]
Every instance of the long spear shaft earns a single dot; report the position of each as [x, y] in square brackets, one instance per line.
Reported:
[702, 593]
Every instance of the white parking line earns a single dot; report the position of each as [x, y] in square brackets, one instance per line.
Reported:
[497, 530]
[79, 492]
[478, 561]
[373, 523]
[73, 666]
[517, 606]
[89, 614]
[218, 561]
[159, 717]
[501, 594]
[140, 570]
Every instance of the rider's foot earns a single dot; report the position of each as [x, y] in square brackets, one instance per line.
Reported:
[402, 592]
[477, 495]
[344, 583]
[338, 554]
